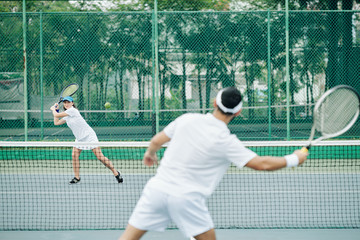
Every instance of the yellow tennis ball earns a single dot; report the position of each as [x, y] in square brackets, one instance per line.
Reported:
[107, 105]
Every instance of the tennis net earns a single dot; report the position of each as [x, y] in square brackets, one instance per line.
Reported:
[35, 194]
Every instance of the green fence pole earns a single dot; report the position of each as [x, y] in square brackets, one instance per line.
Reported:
[269, 73]
[156, 66]
[41, 77]
[153, 108]
[287, 71]
[25, 74]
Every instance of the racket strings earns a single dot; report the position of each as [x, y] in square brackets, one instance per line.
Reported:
[70, 90]
[336, 111]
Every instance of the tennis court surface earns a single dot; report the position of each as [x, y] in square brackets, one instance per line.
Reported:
[320, 198]
[221, 234]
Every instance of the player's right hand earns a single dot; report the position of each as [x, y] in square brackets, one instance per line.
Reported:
[302, 155]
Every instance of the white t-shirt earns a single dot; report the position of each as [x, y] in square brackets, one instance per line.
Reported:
[81, 130]
[198, 155]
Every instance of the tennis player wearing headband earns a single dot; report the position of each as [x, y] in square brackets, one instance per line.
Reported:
[199, 152]
[83, 133]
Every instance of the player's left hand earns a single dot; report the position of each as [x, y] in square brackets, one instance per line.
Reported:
[54, 107]
[149, 159]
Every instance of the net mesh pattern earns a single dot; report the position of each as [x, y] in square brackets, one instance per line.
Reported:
[35, 194]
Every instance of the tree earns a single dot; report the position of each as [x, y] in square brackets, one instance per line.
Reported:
[186, 5]
[120, 43]
[311, 62]
[336, 35]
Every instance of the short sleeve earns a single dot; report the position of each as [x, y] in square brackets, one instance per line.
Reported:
[169, 130]
[237, 153]
[71, 112]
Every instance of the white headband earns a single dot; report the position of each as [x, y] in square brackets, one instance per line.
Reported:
[225, 109]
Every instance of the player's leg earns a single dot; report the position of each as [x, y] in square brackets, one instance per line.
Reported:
[208, 235]
[76, 165]
[150, 214]
[100, 156]
[191, 216]
[132, 233]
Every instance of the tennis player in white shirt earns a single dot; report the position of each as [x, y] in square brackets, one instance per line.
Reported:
[83, 133]
[200, 150]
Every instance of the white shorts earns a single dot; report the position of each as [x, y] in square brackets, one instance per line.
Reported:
[156, 209]
[91, 138]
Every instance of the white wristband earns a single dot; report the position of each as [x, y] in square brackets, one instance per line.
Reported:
[292, 160]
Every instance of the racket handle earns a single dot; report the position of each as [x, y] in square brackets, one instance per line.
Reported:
[305, 149]
[57, 110]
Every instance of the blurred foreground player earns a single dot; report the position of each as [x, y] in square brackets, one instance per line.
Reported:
[199, 152]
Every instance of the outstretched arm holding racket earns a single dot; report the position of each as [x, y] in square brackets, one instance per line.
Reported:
[270, 163]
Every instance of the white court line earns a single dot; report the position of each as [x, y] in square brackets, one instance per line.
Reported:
[231, 173]
[146, 144]
[297, 173]
[254, 191]
[62, 193]
[86, 175]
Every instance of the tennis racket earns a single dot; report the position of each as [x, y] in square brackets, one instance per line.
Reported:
[69, 90]
[334, 113]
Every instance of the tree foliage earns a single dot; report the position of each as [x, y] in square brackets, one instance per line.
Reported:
[208, 48]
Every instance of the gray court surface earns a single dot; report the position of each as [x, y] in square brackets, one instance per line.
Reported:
[222, 234]
[262, 201]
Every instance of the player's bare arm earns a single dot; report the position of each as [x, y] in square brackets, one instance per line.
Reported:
[57, 115]
[156, 143]
[269, 163]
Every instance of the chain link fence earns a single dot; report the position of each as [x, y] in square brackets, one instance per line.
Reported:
[152, 67]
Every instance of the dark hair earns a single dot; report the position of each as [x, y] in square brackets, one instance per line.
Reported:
[65, 108]
[230, 98]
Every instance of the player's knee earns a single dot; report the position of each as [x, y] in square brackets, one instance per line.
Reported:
[74, 155]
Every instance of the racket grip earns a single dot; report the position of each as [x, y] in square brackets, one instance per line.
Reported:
[305, 149]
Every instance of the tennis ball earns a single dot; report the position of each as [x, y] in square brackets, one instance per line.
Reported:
[107, 105]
